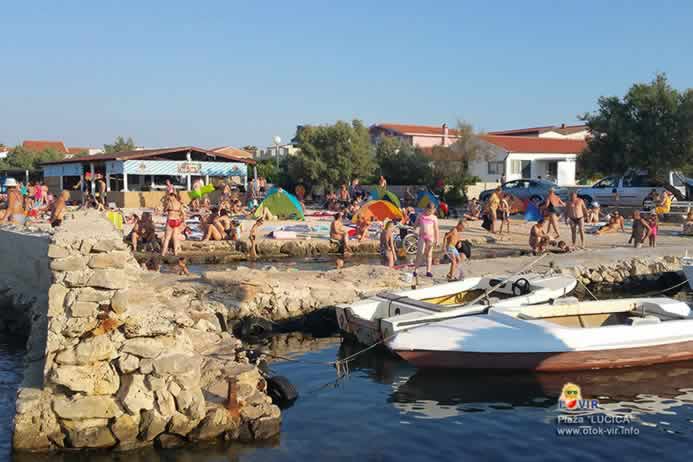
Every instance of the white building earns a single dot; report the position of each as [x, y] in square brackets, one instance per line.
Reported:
[518, 157]
[284, 150]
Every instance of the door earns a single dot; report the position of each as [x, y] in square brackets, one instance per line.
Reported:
[605, 191]
[636, 187]
[526, 168]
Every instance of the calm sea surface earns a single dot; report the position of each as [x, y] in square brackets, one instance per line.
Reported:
[385, 410]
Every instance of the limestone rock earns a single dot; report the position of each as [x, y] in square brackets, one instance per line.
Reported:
[56, 251]
[108, 260]
[170, 441]
[128, 363]
[216, 422]
[71, 263]
[134, 394]
[126, 427]
[119, 303]
[86, 407]
[89, 350]
[176, 363]
[56, 300]
[109, 245]
[89, 433]
[266, 427]
[92, 379]
[108, 279]
[181, 424]
[36, 427]
[152, 425]
[165, 403]
[191, 403]
[77, 278]
[144, 347]
[76, 327]
[84, 309]
[148, 323]
[89, 294]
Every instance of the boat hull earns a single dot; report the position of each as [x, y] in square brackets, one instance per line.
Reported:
[551, 362]
[688, 271]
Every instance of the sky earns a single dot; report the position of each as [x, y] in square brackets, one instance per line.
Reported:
[213, 73]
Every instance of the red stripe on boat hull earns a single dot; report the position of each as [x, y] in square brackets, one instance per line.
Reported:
[551, 362]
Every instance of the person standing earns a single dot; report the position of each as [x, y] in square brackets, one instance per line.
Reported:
[429, 235]
[492, 208]
[641, 230]
[576, 212]
[450, 241]
[551, 206]
[387, 245]
[15, 202]
[175, 221]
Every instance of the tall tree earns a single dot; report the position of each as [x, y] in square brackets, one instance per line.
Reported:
[120, 145]
[403, 163]
[650, 128]
[332, 154]
[29, 160]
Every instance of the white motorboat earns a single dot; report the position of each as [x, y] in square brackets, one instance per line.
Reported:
[363, 319]
[552, 337]
[687, 264]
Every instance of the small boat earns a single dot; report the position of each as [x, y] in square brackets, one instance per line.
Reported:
[363, 319]
[552, 337]
[687, 264]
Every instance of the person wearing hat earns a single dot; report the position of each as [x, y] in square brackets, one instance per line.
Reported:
[15, 203]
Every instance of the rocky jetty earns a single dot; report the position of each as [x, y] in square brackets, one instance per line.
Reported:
[118, 360]
[625, 272]
[280, 296]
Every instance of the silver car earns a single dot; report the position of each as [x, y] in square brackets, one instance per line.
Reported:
[534, 190]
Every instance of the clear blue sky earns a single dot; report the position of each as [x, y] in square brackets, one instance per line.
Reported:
[214, 73]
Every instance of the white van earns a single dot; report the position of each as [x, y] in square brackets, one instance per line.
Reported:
[631, 189]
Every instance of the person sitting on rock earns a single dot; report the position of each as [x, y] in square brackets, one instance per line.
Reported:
[362, 228]
[339, 233]
[143, 232]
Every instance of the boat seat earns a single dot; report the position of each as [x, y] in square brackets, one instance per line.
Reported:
[570, 309]
[638, 321]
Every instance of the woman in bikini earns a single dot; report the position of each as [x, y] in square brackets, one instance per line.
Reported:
[429, 235]
[551, 205]
[175, 222]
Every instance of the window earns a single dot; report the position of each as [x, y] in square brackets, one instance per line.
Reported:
[496, 168]
[515, 167]
[608, 182]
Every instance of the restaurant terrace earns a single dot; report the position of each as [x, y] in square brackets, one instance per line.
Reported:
[138, 178]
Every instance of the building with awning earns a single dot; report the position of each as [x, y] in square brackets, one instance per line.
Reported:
[137, 178]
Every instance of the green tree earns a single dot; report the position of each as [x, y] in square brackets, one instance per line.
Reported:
[650, 128]
[29, 160]
[331, 154]
[120, 145]
[403, 163]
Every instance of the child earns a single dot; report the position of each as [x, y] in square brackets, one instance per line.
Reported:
[450, 241]
[387, 245]
[339, 263]
[504, 213]
[182, 267]
[252, 251]
[653, 229]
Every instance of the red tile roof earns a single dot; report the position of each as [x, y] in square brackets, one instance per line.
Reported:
[532, 145]
[77, 150]
[416, 129]
[34, 145]
[563, 129]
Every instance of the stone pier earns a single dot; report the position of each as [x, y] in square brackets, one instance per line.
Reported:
[118, 358]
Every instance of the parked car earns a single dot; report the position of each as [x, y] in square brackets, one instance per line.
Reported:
[534, 190]
[629, 190]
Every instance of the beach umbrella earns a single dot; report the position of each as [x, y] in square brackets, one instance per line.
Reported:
[383, 194]
[426, 197]
[379, 210]
[281, 204]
